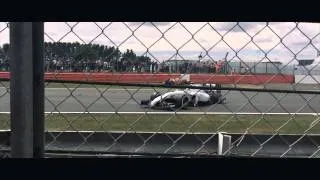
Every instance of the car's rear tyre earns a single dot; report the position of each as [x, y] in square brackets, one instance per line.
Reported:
[184, 102]
[214, 98]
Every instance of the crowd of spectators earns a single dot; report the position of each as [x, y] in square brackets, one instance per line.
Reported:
[4, 64]
[67, 65]
[195, 67]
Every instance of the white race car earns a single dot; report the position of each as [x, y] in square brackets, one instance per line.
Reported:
[181, 99]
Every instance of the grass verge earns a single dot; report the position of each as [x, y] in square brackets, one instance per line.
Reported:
[178, 123]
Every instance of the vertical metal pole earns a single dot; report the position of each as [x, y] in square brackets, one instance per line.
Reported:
[26, 62]
[38, 89]
[266, 67]
[21, 95]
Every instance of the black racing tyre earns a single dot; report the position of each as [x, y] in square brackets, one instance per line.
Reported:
[184, 102]
[166, 105]
[214, 98]
[192, 101]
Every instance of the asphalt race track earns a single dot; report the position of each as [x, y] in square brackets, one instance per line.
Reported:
[122, 100]
[90, 99]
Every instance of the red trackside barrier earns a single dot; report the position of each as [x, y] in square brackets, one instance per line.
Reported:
[241, 79]
[111, 77]
[161, 77]
[5, 75]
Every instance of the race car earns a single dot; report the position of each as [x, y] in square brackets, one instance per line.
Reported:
[181, 99]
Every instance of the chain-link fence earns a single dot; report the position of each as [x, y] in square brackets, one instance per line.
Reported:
[178, 89]
[4, 90]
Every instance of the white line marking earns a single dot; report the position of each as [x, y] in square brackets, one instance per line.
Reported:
[182, 113]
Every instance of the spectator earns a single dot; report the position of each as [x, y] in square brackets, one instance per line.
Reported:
[218, 66]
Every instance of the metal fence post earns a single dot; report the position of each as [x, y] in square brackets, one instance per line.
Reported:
[38, 89]
[27, 92]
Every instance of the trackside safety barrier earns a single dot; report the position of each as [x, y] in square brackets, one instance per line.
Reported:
[241, 79]
[160, 78]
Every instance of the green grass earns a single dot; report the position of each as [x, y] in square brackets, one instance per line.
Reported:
[176, 123]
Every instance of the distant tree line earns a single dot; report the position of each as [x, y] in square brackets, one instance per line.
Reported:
[76, 57]
[4, 59]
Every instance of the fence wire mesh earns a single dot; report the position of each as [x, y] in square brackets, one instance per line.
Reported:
[166, 120]
[4, 88]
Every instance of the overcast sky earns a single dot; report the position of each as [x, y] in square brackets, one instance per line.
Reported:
[163, 39]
